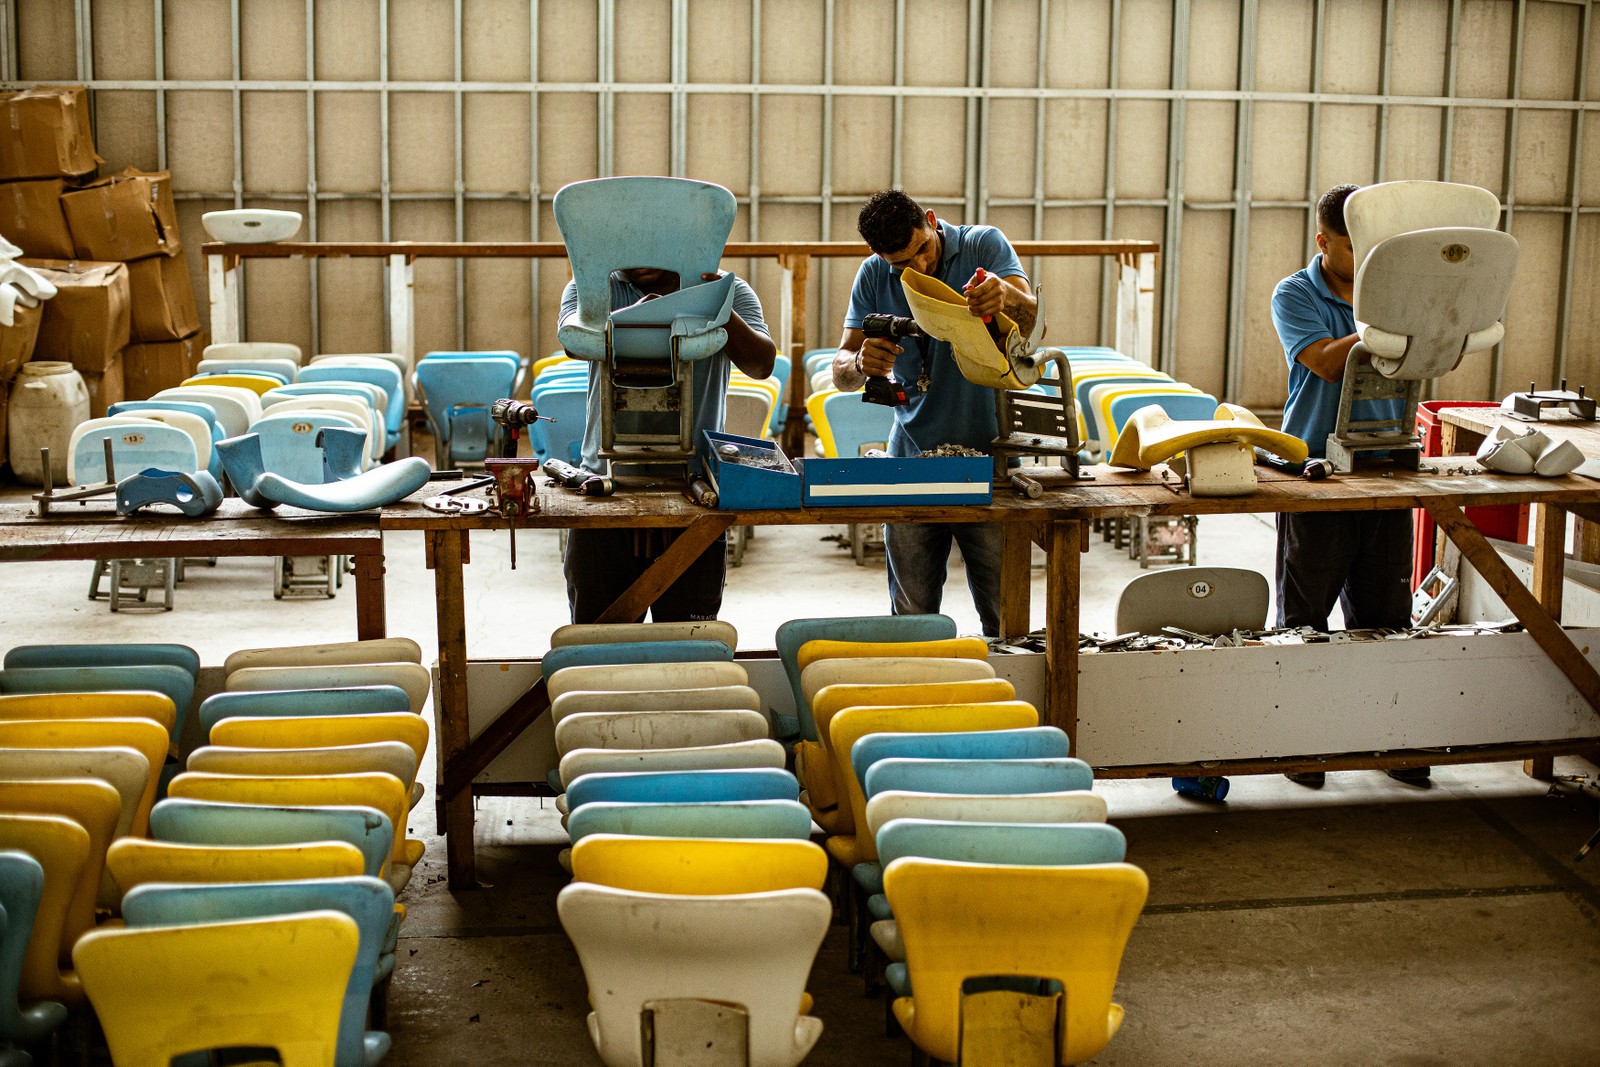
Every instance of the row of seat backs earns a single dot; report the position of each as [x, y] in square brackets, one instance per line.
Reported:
[456, 390]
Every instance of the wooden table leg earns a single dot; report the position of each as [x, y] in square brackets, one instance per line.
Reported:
[1016, 564]
[1061, 627]
[1549, 565]
[371, 618]
[450, 700]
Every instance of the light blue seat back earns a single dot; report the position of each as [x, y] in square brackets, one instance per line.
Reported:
[289, 443]
[569, 407]
[609, 224]
[1018, 844]
[782, 367]
[1180, 407]
[174, 682]
[204, 411]
[856, 424]
[986, 776]
[796, 632]
[1091, 417]
[210, 822]
[634, 652]
[817, 358]
[280, 703]
[681, 787]
[720, 819]
[21, 886]
[104, 655]
[1038, 742]
[456, 392]
[386, 377]
[369, 901]
[133, 449]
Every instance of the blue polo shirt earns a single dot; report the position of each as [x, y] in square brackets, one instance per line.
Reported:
[953, 411]
[1305, 311]
[710, 381]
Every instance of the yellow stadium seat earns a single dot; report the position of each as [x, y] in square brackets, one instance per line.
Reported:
[689, 866]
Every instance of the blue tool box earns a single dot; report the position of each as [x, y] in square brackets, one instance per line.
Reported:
[900, 482]
[759, 477]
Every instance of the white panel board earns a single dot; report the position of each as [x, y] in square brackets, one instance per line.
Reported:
[1253, 703]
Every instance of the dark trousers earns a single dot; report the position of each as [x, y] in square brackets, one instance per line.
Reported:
[601, 564]
[1360, 558]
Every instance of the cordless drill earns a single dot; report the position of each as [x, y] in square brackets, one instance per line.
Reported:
[511, 416]
[888, 391]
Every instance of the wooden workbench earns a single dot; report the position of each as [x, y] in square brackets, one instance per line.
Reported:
[93, 531]
[1058, 522]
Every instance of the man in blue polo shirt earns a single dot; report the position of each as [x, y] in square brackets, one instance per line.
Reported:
[944, 408]
[1360, 558]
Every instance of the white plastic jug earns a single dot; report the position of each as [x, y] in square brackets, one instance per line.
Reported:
[48, 401]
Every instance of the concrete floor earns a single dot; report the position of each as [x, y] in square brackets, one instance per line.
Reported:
[1368, 922]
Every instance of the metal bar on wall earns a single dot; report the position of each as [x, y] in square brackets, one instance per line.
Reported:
[1385, 65]
[825, 272]
[311, 174]
[8, 41]
[1497, 355]
[391, 335]
[1110, 272]
[679, 111]
[605, 102]
[754, 208]
[84, 15]
[460, 180]
[1041, 59]
[1569, 250]
[1314, 131]
[974, 128]
[535, 334]
[1233, 352]
[158, 14]
[236, 61]
[979, 179]
[897, 154]
[1172, 244]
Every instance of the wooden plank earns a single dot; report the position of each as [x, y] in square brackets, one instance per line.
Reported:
[371, 611]
[1061, 627]
[450, 703]
[465, 763]
[1016, 586]
[1359, 761]
[667, 568]
[1528, 611]
[798, 268]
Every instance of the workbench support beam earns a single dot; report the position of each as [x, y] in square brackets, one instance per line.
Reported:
[1549, 539]
[371, 612]
[1533, 616]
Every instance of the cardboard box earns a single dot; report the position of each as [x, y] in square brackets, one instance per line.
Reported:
[87, 322]
[105, 388]
[18, 340]
[31, 218]
[149, 368]
[44, 133]
[126, 216]
[163, 299]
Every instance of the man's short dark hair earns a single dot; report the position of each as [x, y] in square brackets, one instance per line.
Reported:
[1330, 209]
[888, 219]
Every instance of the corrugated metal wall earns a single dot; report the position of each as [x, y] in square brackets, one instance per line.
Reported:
[1208, 125]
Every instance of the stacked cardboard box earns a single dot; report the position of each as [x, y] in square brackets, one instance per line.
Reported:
[53, 208]
[45, 149]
